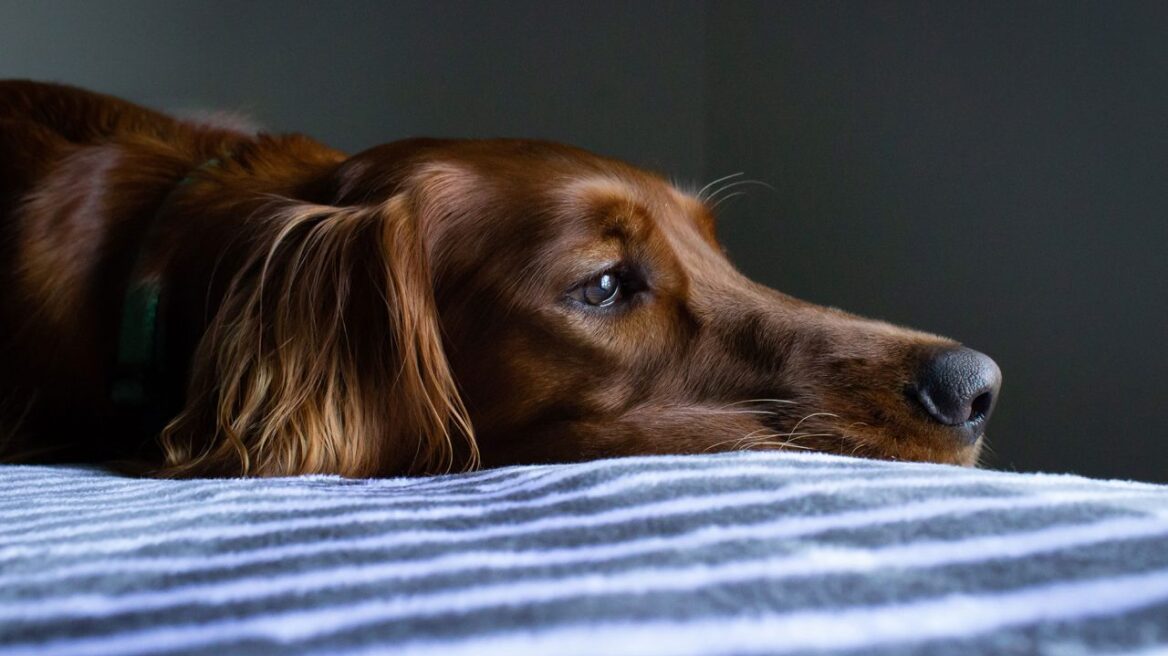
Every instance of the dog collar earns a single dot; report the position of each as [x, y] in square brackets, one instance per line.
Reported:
[139, 343]
[140, 369]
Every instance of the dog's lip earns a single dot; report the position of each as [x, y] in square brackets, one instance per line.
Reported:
[972, 435]
[976, 423]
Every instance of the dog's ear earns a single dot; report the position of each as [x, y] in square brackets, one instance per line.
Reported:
[325, 355]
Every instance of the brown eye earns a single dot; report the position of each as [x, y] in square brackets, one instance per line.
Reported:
[611, 289]
[603, 290]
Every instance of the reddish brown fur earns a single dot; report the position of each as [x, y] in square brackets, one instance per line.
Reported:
[405, 310]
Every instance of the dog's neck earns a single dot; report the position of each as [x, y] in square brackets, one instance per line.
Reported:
[204, 209]
[141, 370]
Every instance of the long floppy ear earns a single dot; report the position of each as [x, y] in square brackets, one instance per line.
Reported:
[325, 356]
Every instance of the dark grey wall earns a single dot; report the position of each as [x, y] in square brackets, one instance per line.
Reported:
[619, 78]
[994, 172]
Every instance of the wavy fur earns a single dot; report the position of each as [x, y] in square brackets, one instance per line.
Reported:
[325, 356]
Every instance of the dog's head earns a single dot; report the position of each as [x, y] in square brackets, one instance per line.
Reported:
[563, 306]
[588, 310]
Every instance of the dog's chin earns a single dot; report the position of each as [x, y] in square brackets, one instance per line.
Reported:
[903, 440]
[850, 440]
[925, 450]
[972, 455]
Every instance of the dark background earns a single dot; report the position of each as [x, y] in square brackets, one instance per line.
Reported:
[995, 172]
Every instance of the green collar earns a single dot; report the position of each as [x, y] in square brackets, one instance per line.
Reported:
[139, 345]
[209, 164]
[138, 376]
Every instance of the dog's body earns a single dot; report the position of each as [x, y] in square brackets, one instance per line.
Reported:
[271, 306]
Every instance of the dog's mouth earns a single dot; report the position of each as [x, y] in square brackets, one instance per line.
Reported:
[940, 415]
[791, 428]
[830, 432]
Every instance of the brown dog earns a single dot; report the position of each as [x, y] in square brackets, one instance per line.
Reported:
[218, 303]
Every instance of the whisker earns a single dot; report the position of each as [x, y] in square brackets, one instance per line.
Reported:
[726, 198]
[738, 183]
[730, 408]
[769, 441]
[986, 453]
[736, 440]
[813, 414]
[742, 412]
[762, 401]
[748, 442]
[800, 436]
[745, 443]
[761, 438]
[790, 439]
[783, 444]
[714, 182]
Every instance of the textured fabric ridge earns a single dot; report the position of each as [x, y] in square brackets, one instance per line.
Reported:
[716, 554]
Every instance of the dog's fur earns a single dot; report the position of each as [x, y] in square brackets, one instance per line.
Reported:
[420, 307]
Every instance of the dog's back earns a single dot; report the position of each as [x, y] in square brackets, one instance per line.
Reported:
[67, 235]
[84, 181]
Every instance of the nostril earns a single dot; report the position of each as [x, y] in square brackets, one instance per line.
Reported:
[980, 408]
[957, 387]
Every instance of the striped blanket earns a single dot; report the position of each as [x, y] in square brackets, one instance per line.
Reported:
[720, 554]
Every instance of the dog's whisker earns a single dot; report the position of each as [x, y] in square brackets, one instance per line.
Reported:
[814, 414]
[701, 191]
[787, 444]
[737, 441]
[718, 191]
[745, 401]
[800, 436]
[726, 198]
[792, 439]
[755, 437]
[769, 441]
[747, 442]
[726, 411]
[986, 453]
[738, 183]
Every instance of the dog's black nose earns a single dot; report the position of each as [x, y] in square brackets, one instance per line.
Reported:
[958, 388]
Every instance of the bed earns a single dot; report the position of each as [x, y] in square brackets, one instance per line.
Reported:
[717, 554]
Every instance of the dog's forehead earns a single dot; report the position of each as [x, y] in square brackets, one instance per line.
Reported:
[652, 215]
[618, 198]
[577, 203]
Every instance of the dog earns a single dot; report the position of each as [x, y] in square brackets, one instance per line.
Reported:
[210, 303]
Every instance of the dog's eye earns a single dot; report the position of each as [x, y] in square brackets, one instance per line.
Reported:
[611, 288]
[603, 290]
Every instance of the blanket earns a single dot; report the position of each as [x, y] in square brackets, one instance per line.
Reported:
[742, 553]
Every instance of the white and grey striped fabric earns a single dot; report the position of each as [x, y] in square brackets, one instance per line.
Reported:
[721, 554]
